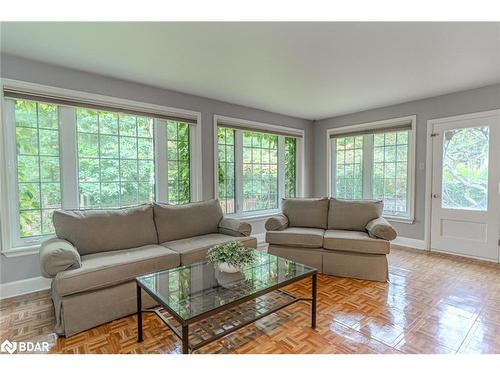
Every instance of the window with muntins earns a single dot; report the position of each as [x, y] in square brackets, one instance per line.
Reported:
[374, 166]
[255, 170]
[73, 157]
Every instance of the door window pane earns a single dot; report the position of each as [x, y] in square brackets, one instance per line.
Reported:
[349, 167]
[38, 168]
[179, 180]
[226, 169]
[465, 168]
[260, 171]
[115, 159]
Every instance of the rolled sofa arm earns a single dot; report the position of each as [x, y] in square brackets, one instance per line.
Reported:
[278, 222]
[381, 228]
[234, 227]
[58, 255]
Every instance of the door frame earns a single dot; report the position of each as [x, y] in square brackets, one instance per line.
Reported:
[429, 167]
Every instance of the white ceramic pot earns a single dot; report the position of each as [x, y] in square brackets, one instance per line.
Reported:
[224, 267]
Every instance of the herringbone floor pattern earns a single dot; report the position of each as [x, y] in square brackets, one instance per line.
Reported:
[432, 304]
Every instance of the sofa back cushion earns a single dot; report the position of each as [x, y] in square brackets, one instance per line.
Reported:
[95, 231]
[306, 212]
[353, 215]
[175, 222]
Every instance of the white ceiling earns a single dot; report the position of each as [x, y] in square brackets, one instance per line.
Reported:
[309, 70]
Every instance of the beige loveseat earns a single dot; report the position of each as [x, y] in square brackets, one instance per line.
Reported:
[338, 237]
[98, 253]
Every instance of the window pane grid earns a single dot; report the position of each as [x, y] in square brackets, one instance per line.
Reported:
[260, 171]
[390, 170]
[116, 159]
[39, 190]
[349, 167]
[226, 165]
[179, 184]
[290, 167]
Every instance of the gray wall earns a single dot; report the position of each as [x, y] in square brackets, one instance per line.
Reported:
[12, 67]
[482, 99]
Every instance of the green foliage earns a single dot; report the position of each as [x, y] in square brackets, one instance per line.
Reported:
[465, 168]
[179, 173]
[232, 253]
[290, 167]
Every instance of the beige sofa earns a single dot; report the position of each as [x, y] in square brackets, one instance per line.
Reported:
[98, 253]
[338, 237]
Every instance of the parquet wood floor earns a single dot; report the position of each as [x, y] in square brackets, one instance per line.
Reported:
[432, 304]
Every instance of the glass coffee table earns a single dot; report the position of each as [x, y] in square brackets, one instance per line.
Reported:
[200, 304]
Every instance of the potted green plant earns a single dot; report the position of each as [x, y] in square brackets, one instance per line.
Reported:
[230, 257]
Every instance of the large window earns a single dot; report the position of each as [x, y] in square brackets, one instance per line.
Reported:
[374, 165]
[255, 169]
[73, 157]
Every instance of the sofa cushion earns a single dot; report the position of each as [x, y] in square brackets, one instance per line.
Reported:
[381, 228]
[309, 213]
[354, 241]
[296, 236]
[353, 215]
[114, 267]
[94, 231]
[194, 249]
[174, 222]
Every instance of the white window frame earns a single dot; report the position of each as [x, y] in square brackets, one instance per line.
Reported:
[11, 243]
[367, 158]
[265, 128]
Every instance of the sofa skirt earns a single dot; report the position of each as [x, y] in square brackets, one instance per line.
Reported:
[79, 312]
[337, 263]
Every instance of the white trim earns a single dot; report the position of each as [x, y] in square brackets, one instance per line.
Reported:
[388, 123]
[20, 287]
[254, 215]
[261, 238]
[428, 167]
[95, 98]
[22, 251]
[409, 242]
[281, 169]
[196, 158]
[461, 255]
[258, 125]
[68, 157]
[161, 165]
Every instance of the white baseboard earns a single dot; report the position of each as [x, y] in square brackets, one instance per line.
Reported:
[20, 287]
[409, 242]
[261, 238]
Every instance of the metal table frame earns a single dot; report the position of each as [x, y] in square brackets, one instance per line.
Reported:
[183, 334]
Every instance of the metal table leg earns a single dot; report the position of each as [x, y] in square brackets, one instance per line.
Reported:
[185, 339]
[313, 301]
[139, 313]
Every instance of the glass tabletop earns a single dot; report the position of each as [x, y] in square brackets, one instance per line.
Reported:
[192, 290]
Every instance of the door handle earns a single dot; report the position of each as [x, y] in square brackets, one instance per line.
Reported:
[435, 195]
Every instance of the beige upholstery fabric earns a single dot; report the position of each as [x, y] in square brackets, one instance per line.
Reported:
[278, 222]
[234, 227]
[79, 312]
[381, 228]
[94, 231]
[58, 255]
[195, 249]
[354, 241]
[111, 268]
[353, 215]
[296, 237]
[174, 222]
[356, 265]
[309, 256]
[309, 213]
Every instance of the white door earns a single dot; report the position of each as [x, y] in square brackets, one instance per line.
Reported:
[466, 185]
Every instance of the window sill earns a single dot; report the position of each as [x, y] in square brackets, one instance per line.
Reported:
[397, 219]
[257, 215]
[21, 251]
